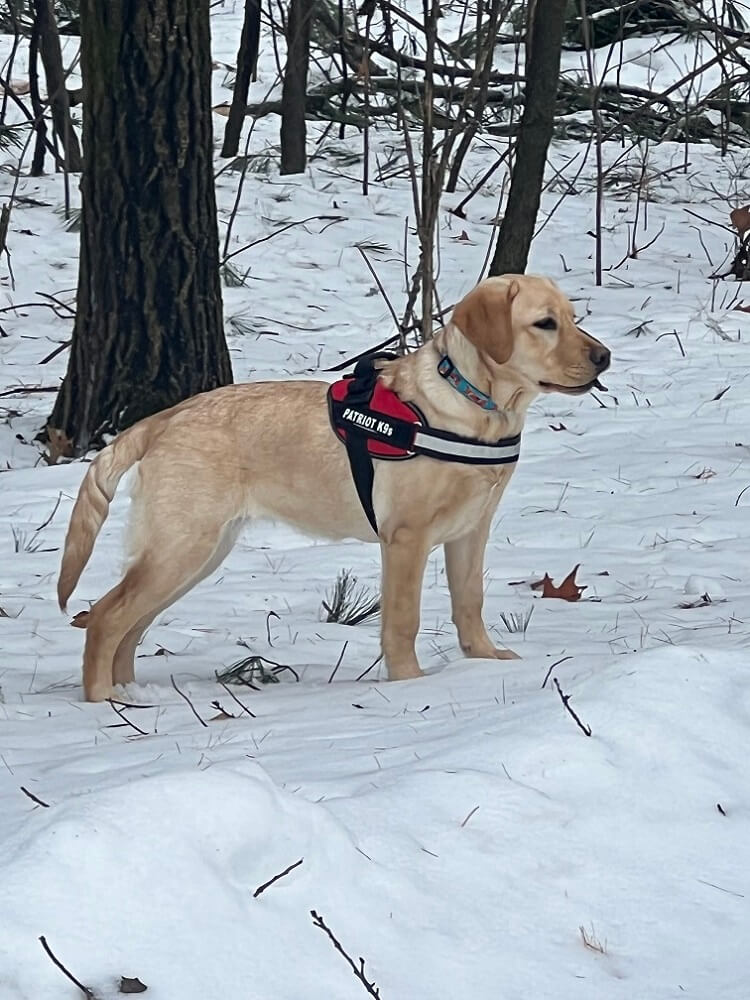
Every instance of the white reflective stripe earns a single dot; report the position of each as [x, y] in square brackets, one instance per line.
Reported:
[467, 450]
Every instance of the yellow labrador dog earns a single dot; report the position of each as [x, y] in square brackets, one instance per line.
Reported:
[268, 449]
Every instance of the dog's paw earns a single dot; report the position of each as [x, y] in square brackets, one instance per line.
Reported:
[505, 654]
[485, 650]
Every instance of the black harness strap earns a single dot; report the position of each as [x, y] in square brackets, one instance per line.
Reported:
[360, 392]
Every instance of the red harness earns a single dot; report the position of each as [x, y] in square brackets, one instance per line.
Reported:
[372, 422]
[383, 422]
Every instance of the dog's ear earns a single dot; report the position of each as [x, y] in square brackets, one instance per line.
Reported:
[484, 317]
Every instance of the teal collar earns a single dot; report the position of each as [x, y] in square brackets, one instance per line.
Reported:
[451, 374]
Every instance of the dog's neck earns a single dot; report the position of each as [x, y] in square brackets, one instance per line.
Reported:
[496, 381]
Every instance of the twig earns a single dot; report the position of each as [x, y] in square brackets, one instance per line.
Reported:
[121, 714]
[382, 290]
[262, 888]
[192, 706]
[370, 350]
[566, 702]
[368, 669]
[675, 334]
[23, 389]
[469, 816]
[89, 994]
[58, 302]
[359, 971]
[711, 222]
[235, 698]
[338, 662]
[555, 664]
[283, 229]
[45, 805]
[31, 305]
[58, 350]
[721, 888]
[269, 616]
[49, 519]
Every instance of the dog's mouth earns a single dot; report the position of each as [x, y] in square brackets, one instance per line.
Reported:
[573, 390]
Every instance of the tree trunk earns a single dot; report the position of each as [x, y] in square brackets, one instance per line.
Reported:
[247, 56]
[49, 48]
[535, 132]
[37, 161]
[148, 331]
[294, 91]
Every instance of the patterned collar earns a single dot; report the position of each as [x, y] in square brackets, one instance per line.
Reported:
[451, 374]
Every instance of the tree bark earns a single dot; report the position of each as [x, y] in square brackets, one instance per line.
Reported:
[294, 90]
[148, 330]
[542, 71]
[57, 95]
[247, 56]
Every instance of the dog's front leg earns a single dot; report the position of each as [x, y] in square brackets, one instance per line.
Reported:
[404, 556]
[464, 567]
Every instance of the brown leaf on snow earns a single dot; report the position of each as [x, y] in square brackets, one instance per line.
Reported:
[128, 985]
[568, 590]
[59, 446]
[222, 715]
[740, 219]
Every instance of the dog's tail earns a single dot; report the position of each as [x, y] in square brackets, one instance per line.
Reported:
[92, 505]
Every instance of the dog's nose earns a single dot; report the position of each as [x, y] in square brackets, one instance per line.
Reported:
[600, 357]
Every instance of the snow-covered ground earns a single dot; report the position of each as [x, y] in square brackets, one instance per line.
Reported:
[459, 832]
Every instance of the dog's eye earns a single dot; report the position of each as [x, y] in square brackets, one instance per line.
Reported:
[546, 324]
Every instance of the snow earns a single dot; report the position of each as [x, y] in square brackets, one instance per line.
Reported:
[459, 830]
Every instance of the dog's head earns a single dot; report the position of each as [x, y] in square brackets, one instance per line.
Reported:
[526, 325]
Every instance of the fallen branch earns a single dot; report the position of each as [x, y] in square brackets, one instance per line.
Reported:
[234, 696]
[24, 389]
[58, 350]
[192, 706]
[359, 971]
[262, 888]
[555, 664]
[120, 713]
[89, 994]
[45, 805]
[566, 702]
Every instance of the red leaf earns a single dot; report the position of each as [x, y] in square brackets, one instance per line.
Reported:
[568, 590]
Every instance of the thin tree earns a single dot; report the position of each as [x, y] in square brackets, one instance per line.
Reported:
[247, 56]
[294, 89]
[148, 330]
[48, 38]
[534, 135]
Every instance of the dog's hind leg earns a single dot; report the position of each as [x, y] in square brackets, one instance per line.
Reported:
[123, 664]
[155, 579]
